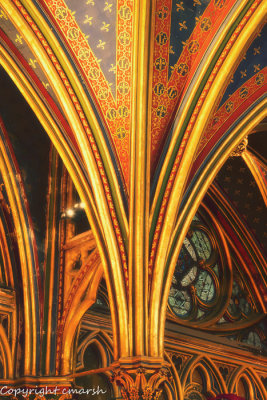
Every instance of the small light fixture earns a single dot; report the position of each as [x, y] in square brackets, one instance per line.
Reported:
[70, 213]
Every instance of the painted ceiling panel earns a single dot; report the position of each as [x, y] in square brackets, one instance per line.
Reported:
[115, 112]
[253, 61]
[183, 33]
[241, 188]
[185, 15]
[98, 35]
[238, 102]
[19, 42]
[97, 20]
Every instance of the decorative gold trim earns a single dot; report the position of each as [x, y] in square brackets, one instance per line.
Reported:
[26, 260]
[7, 358]
[84, 297]
[240, 149]
[140, 178]
[81, 95]
[98, 201]
[192, 94]
[168, 229]
[248, 158]
[247, 127]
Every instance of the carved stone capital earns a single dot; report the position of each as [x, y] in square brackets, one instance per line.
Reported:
[237, 152]
[141, 383]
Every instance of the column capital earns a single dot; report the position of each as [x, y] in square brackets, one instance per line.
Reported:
[141, 378]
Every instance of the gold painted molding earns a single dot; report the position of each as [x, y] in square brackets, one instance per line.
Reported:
[7, 358]
[158, 305]
[248, 158]
[88, 292]
[202, 187]
[113, 265]
[191, 96]
[26, 260]
[81, 95]
[140, 177]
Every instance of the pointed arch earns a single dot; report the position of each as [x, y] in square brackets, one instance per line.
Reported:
[200, 188]
[208, 366]
[81, 296]
[90, 176]
[250, 375]
[7, 358]
[256, 168]
[102, 341]
[28, 263]
[177, 382]
[241, 241]
[170, 230]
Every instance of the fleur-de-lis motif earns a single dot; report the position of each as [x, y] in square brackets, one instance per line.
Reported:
[3, 15]
[243, 73]
[185, 43]
[256, 67]
[108, 6]
[101, 44]
[105, 27]
[182, 69]
[46, 84]
[160, 64]
[19, 39]
[182, 25]
[197, 2]
[99, 60]
[171, 50]
[180, 6]
[256, 50]
[112, 68]
[90, 2]
[32, 63]
[88, 20]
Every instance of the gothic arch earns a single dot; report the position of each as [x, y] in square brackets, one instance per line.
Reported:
[209, 368]
[250, 376]
[81, 296]
[198, 124]
[6, 357]
[102, 341]
[96, 194]
[28, 264]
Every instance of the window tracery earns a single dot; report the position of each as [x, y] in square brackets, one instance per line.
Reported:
[195, 289]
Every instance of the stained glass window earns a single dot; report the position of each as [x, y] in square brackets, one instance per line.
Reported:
[199, 268]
